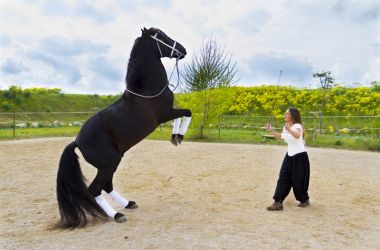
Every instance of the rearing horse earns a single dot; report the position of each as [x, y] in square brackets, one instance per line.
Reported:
[107, 135]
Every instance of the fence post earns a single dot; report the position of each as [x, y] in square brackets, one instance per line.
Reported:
[14, 123]
[219, 128]
[315, 125]
[315, 113]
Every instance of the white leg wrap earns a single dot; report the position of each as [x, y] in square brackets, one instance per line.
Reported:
[118, 198]
[185, 125]
[106, 206]
[176, 125]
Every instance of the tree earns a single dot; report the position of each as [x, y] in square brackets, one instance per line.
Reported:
[16, 96]
[375, 86]
[326, 83]
[210, 68]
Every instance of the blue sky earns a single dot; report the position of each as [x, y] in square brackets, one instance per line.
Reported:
[83, 46]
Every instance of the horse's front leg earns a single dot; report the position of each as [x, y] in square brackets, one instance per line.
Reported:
[180, 125]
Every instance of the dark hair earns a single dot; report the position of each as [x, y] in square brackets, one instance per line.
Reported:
[296, 117]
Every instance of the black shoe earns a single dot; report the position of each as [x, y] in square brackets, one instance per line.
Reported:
[304, 204]
[275, 206]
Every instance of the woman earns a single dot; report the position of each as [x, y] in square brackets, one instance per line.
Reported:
[295, 169]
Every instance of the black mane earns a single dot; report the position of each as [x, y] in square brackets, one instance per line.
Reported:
[132, 70]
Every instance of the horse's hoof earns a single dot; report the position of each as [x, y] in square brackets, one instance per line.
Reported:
[179, 138]
[131, 205]
[120, 218]
[174, 140]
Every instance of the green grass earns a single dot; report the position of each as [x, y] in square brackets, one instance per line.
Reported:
[26, 133]
[369, 142]
[355, 142]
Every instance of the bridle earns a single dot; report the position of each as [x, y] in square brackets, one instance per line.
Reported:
[173, 50]
[179, 54]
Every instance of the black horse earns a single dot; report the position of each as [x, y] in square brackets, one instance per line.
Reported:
[106, 136]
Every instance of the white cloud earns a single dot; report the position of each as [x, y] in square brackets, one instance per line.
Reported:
[83, 46]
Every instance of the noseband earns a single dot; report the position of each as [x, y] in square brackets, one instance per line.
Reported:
[167, 45]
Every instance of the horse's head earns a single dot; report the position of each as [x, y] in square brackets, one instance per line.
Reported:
[167, 47]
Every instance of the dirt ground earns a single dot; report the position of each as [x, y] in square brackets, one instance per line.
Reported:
[196, 196]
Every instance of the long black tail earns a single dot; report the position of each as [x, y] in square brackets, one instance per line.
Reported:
[74, 199]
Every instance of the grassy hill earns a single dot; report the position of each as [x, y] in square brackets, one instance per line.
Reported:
[259, 100]
[53, 100]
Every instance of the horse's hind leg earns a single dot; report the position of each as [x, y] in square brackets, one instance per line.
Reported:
[127, 204]
[102, 178]
[122, 201]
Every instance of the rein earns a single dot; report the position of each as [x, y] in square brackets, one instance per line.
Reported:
[175, 67]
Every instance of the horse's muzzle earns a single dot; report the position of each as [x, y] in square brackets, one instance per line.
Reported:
[182, 55]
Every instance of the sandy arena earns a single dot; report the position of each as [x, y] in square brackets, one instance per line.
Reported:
[196, 196]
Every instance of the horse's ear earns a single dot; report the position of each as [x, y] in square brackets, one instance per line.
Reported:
[144, 31]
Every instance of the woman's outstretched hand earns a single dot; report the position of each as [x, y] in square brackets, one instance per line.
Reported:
[286, 126]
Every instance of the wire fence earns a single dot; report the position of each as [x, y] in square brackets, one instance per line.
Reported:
[349, 125]
[41, 119]
[315, 124]
[23, 120]
[353, 132]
